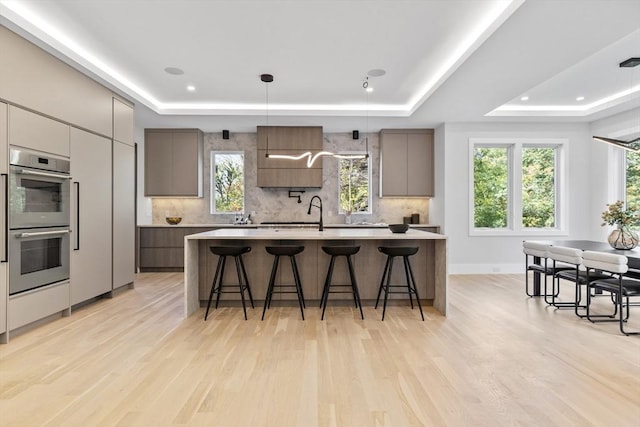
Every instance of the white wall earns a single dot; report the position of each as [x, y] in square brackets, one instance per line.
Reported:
[480, 254]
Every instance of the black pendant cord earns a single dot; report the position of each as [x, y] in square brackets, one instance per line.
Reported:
[267, 111]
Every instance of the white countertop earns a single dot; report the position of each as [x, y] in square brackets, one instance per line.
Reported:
[227, 225]
[314, 234]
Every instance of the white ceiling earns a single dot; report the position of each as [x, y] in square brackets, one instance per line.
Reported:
[445, 61]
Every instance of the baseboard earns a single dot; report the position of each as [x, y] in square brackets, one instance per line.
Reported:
[486, 268]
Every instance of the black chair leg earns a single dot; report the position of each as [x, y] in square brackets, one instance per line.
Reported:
[354, 286]
[213, 287]
[296, 273]
[415, 287]
[296, 280]
[219, 288]
[241, 286]
[384, 275]
[272, 279]
[325, 293]
[387, 288]
[246, 281]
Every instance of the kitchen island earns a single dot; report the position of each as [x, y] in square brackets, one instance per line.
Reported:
[429, 264]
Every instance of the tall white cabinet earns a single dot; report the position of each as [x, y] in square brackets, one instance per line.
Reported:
[91, 215]
[124, 197]
[123, 214]
[4, 149]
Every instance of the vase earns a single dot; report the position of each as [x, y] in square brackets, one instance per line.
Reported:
[623, 238]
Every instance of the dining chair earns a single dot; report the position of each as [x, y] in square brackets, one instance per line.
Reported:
[538, 254]
[577, 275]
[618, 285]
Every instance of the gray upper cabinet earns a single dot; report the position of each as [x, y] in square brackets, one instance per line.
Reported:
[173, 162]
[406, 163]
[292, 140]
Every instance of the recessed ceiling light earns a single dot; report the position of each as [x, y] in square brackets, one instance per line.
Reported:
[376, 72]
[524, 98]
[191, 88]
[580, 98]
[174, 71]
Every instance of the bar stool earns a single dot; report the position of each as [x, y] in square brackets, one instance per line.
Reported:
[337, 251]
[243, 283]
[291, 252]
[392, 252]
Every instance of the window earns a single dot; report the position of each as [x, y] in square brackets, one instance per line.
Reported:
[353, 185]
[632, 187]
[516, 186]
[227, 182]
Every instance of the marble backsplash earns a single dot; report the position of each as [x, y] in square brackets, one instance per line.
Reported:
[269, 204]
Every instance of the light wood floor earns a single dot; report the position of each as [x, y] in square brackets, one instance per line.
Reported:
[498, 359]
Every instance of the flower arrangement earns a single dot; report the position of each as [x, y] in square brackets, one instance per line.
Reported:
[617, 215]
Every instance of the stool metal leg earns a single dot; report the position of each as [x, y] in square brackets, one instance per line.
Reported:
[296, 279]
[272, 279]
[219, 288]
[325, 293]
[415, 288]
[406, 274]
[246, 281]
[387, 288]
[241, 286]
[384, 275]
[354, 286]
[213, 287]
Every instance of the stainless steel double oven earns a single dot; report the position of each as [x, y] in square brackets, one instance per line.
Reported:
[39, 217]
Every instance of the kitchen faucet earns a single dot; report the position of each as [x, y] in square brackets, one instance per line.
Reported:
[320, 227]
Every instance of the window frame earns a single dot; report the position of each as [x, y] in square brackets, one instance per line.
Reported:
[212, 187]
[369, 175]
[514, 148]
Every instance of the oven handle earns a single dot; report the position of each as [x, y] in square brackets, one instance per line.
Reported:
[46, 174]
[77, 247]
[41, 233]
[6, 218]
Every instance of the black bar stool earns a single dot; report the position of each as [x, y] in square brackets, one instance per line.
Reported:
[336, 251]
[243, 283]
[291, 252]
[391, 252]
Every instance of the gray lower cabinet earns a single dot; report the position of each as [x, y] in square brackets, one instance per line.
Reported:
[162, 248]
[91, 219]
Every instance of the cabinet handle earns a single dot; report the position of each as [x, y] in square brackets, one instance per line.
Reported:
[5, 226]
[77, 245]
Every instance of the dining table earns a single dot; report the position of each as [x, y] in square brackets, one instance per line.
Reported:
[633, 255]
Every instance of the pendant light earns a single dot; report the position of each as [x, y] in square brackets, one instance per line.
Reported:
[631, 145]
[311, 158]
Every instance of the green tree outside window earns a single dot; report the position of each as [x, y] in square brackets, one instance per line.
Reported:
[228, 183]
[353, 176]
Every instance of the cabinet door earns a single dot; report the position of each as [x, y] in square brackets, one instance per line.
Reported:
[123, 119]
[158, 163]
[91, 190]
[4, 147]
[37, 132]
[419, 164]
[123, 214]
[185, 173]
[393, 169]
